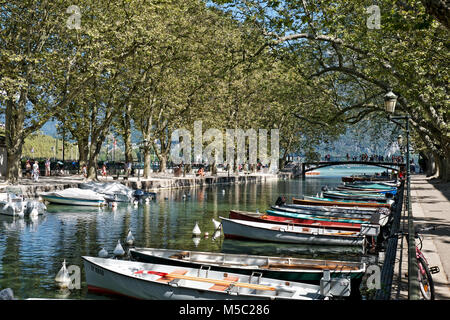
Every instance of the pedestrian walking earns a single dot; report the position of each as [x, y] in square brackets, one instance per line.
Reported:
[104, 171]
[28, 169]
[36, 171]
[84, 171]
[47, 167]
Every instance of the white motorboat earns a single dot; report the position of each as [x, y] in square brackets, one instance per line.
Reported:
[111, 191]
[75, 196]
[163, 282]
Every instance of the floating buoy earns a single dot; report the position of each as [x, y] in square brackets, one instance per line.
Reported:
[184, 197]
[196, 231]
[223, 191]
[216, 234]
[147, 200]
[118, 251]
[217, 224]
[196, 241]
[206, 235]
[34, 213]
[135, 202]
[130, 238]
[103, 253]
[62, 278]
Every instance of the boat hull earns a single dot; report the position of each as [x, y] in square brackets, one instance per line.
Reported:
[257, 217]
[105, 279]
[73, 201]
[238, 229]
[276, 272]
[339, 203]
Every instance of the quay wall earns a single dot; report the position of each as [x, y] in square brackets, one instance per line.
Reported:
[33, 190]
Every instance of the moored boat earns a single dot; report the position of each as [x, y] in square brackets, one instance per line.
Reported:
[283, 268]
[333, 194]
[323, 202]
[311, 221]
[158, 281]
[75, 196]
[241, 229]
[337, 214]
[374, 218]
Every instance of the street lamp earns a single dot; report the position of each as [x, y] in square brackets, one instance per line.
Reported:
[390, 100]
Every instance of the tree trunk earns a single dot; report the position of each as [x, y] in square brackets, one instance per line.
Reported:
[92, 167]
[147, 163]
[83, 150]
[13, 169]
[162, 162]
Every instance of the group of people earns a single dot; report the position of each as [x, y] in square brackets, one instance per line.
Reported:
[375, 158]
[32, 169]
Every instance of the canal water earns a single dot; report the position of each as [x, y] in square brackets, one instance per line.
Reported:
[32, 251]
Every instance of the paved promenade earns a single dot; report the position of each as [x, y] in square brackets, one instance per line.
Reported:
[430, 207]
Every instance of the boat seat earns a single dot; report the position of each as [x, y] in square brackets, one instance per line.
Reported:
[166, 279]
[221, 287]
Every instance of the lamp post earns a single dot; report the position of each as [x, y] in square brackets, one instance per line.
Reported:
[390, 100]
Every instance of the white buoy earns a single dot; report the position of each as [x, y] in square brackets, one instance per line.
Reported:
[34, 213]
[217, 224]
[103, 253]
[206, 235]
[130, 238]
[216, 234]
[147, 200]
[196, 231]
[223, 191]
[118, 251]
[184, 197]
[196, 241]
[135, 202]
[62, 278]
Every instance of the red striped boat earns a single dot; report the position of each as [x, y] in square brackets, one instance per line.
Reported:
[340, 203]
[260, 217]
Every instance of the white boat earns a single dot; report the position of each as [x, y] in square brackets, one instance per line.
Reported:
[283, 268]
[111, 191]
[241, 229]
[11, 204]
[75, 196]
[165, 282]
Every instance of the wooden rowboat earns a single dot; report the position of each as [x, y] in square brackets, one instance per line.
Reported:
[312, 222]
[332, 194]
[375, 219]
[309, 208]
[340, 203]
[336, 214]
[283, 268]
[241, 229]
[166, 282]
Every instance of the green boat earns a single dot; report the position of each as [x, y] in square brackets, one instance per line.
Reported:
[284, 268]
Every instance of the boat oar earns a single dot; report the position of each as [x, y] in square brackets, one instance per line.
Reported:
[215, 281]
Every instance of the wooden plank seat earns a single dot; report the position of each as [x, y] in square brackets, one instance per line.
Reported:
[222, 287]
[167, 278]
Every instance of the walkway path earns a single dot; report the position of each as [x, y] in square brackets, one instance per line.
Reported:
[431, 207]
